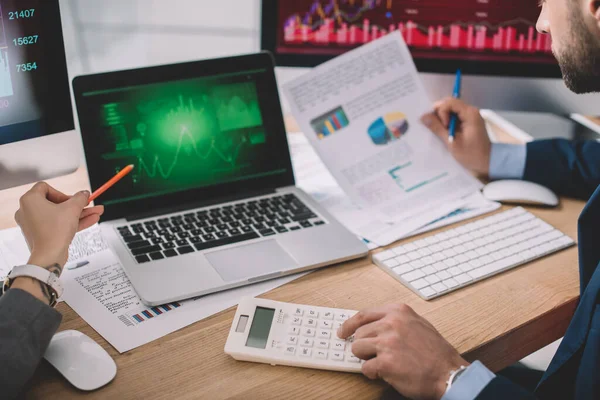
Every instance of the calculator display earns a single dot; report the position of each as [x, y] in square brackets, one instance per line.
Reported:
[261, 326]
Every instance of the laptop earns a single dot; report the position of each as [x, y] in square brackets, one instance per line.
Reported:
[211, 203]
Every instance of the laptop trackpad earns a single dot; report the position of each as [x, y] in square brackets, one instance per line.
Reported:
[251, 261]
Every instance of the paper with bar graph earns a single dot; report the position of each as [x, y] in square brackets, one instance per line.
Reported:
[361, 112]
[103, 296]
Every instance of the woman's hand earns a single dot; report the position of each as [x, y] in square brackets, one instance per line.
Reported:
[50, 219]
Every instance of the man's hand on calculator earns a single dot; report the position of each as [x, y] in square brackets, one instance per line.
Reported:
[403, 349]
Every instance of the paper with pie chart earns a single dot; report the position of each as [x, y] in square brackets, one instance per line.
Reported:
[362, 114]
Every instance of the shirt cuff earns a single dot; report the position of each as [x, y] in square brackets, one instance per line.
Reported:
[468, 386]
[507, 161]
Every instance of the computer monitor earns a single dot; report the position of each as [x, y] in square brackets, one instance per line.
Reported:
[37, 136]
[507, 64]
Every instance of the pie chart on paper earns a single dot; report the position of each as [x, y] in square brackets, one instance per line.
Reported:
[389, 128]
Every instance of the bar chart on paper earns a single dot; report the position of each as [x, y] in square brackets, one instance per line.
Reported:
[139, 316]
[482, 29]
[6, 86]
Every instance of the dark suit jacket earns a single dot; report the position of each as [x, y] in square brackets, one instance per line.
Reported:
[571, 169]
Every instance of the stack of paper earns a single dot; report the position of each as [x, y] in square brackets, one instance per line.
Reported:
[389, 176]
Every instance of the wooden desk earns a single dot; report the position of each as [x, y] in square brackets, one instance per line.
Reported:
[498, 321]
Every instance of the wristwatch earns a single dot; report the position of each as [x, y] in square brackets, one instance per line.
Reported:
[454, 375]
[40, 274]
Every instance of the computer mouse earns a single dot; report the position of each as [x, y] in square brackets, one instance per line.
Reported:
[80, 360]
[520, 192]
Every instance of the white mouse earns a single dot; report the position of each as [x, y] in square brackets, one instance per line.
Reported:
[522, 192]
[80, 360]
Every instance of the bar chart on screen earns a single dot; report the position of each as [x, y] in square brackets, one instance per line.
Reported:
[432, 28]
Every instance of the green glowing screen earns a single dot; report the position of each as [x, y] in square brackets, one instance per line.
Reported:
[180, 135]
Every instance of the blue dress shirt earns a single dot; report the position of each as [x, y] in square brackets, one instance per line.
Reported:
[507, 161]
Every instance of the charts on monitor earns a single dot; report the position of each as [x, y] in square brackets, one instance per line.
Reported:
[6, 86]
[468, 26]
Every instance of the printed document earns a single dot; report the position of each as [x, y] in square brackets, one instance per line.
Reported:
[313, 177]
[361, 112]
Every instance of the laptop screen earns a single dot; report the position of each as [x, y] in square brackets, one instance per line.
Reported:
[182, 134]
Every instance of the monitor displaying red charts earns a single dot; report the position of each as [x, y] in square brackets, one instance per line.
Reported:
[463, 30]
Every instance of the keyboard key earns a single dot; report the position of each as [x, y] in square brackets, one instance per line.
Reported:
[185, 249]
[403, 269]
[339, 345]
[299, 312]
[463, 278]
[309, 332]
[145, 250]
[267, 232]
[385, 255]
[142, 259]
[296, 321]
[226, 241]
[132, 238]
[413, 276]
[337, 356]
[427, 292]
[450, 283]
[328, 315]
[157, 256]
[432, 279]
[292, 339]
[323, 344]
[290, 350]
[137, 245]
[305, 352]
[310, 322]
[439, 287]
[182, 242]
[391, 263]
[322, 354]
[419, 284]
[170, 253]
[443, 275]
[324, 334]
[306, 342]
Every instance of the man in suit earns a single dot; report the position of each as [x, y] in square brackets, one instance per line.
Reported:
[404, 349]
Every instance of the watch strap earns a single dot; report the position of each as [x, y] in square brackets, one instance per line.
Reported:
[39, 274]
[454, 375]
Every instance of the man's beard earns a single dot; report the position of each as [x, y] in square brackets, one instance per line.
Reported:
[580, 58]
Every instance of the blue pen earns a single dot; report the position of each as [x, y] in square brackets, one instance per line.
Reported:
[454, 117]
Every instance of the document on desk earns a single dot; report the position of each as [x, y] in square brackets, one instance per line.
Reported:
[361, 112]
[103, 296]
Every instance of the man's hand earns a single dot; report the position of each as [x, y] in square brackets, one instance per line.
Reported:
[403, 349]
[472, 146]
[50, 219]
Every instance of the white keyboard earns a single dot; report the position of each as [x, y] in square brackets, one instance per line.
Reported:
[276, 333]
[458, 257]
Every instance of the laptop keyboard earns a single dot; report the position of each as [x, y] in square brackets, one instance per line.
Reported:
[167, 237]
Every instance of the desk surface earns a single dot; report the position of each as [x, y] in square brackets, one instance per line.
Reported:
[498, 321]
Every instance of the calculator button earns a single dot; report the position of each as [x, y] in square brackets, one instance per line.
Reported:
[337, 356]
[353, 359]
[307, 342]
[327, 315]
[294, 330]
[343, 316]
[324, 334]
[296, 321]
[325, 324]
[313, 313]
[292, 340]
[310, 322]
[290, 350]
[339, 345]
[308, 332]
[323, 344]
[306, 352]
[299, 312]
[321, 354]
[337, 325]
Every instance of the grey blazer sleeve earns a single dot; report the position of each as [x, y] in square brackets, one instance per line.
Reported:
[26, 327]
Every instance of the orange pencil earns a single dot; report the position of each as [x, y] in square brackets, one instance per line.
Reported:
[111, 182]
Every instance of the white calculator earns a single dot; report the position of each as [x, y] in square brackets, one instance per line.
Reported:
[276, 333]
